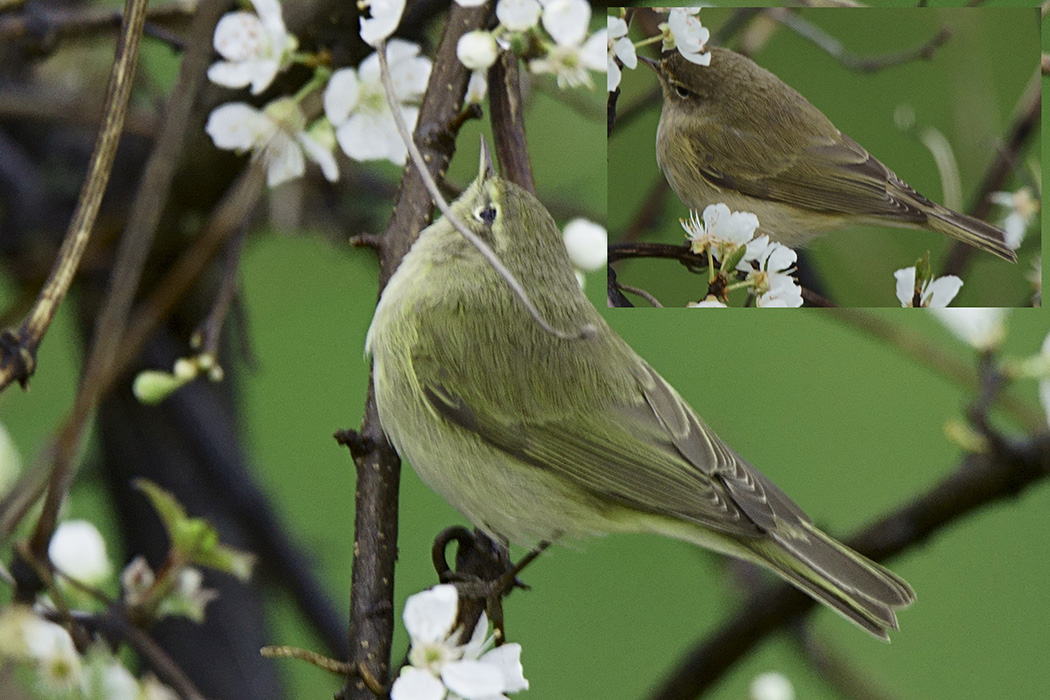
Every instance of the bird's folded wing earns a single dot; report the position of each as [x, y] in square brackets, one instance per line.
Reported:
[830, 176]
[653, 454]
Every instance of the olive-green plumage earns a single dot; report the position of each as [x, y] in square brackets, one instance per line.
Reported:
[535, 438]
[733, 132]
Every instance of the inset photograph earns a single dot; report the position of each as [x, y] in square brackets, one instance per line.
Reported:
[824, 157]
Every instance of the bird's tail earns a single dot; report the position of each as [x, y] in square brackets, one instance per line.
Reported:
[971, 231]
[865, 593]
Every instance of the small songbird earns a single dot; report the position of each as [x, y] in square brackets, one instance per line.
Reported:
[733, 132]
[537, 438]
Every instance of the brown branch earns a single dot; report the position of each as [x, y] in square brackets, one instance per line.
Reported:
[682, 253]
[1026, 121]
[508, 122]
[979, 480]
[40, 29]
[862, 64]
[378, 468]
[18, 359]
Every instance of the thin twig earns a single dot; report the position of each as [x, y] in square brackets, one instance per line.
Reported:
[919, 348]
[638, 291]
[846, 678]
[44, 27]
[18, 359]
[490, 256]
[1023, 127]
[862, 64]
[208, 334]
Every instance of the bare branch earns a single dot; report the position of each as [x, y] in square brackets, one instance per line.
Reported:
[18, 359]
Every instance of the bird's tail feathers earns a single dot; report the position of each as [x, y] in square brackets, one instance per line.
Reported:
[971, 231]
[865, 593]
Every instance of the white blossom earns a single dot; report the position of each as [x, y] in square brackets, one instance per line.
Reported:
[518, 15]
[256, 47]
[356, 104]
[935, 293]
[721, 230]
[56, 657]
[440, 667]
[78, 550]
[277, 134]
[772, 281]
[384, 16]
[568, 58]
[982, 328]
[477, 50]
[1023, 208]
[683, 31]
[113, 681]
[771, 686]
[587, 243]
[1044, 383]
[708, 303]
[621, 47]
[470, 3]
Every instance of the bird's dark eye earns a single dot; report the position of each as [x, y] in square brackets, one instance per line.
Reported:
[682, 92]
[486, 214]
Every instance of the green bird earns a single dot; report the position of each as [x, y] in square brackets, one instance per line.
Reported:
[535, 438]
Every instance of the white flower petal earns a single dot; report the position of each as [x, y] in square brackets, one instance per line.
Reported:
[236, 126]
[472, 679]
[706, 304]
[905, 286]
[470, 3]
[386, 15]
[477, 87]
[476, 50]
[270, 15]
[230, 74]
[429, 615]
[518, 15]
[507, 659]
[617, 26]
[78, 550]
[587, 243]
[780, 258]
[238, 36]
[984, 329]
[321, 155]
[566, 20]
[263, 72]
[479, 638]
[940, 292]
[594, 53]
[341, 95]
[771, 686]
[624, 50]
[414, 684]
[613, 75]
[284, 160]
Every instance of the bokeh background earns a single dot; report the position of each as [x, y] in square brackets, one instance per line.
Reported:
[968, 92]
[849, 427]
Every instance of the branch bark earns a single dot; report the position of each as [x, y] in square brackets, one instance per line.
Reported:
[378, 466]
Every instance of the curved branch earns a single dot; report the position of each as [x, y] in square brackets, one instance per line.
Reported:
[18, 359]
[979, 480]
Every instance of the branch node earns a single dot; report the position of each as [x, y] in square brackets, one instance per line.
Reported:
[358, 444]
[14, 351]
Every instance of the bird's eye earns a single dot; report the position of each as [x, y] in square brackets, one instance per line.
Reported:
[486, 214]
[682, 92]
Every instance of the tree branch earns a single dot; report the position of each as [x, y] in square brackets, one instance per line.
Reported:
[979, 480]
[378, 467]
[18, 358]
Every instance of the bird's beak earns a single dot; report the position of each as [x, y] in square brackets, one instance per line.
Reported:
[485, 167]
[655, 65]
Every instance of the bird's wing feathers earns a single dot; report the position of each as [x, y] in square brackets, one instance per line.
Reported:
[835, 176]
[655, 455]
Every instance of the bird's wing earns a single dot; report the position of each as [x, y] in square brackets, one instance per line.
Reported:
[829, 175]
[654, 455]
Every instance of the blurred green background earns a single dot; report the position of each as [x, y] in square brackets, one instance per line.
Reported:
[968, 92]
[848, 427]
